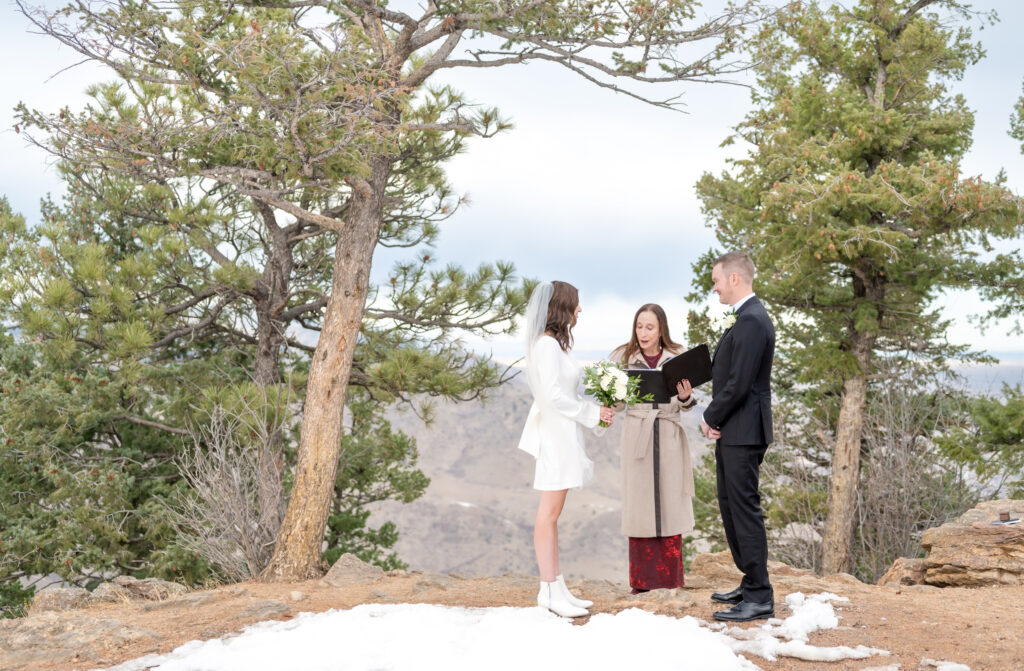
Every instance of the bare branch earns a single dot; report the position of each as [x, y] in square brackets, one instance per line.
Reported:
[150, 423]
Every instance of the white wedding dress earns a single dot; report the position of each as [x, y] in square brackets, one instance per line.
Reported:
[554, 428]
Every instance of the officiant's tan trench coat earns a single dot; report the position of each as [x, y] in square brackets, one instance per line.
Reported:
[663, 505]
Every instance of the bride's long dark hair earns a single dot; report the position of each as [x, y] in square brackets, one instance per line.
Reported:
[633, 346]
[562, 313]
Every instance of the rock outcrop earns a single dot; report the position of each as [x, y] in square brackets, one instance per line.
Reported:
[152, 589]
[905, 571]
[59, 599]
[350, 571]
[971, 551]
[122, 588]
[56, 636]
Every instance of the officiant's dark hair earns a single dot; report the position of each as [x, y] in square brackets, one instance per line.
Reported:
[562, 312]
[633, 346]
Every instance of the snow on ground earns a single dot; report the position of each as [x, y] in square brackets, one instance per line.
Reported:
[809, 615]
[425, 637]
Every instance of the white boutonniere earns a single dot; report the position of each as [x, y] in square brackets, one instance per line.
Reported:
[729, 320]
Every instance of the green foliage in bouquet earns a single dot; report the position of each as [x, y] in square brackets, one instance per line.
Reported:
[610, 385]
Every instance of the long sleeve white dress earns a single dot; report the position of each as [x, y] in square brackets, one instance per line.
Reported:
[554, 428]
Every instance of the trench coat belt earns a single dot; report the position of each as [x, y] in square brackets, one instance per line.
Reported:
[641, 435]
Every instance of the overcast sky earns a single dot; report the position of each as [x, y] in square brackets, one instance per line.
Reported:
[589, 187]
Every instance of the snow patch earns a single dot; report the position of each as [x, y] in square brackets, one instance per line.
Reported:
[810, 614]
[944, 666]
[424, 637]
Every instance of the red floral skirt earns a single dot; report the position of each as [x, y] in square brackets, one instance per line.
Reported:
[656, 563]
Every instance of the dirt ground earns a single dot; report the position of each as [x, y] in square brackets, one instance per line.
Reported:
[982, 628]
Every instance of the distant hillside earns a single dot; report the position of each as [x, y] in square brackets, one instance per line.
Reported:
[477, 515]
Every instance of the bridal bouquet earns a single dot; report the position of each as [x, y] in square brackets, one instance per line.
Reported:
[610, 385]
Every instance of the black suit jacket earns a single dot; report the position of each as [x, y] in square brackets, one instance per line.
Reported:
[741, 371]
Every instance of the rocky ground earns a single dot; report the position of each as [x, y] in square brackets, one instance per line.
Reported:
[980, 627]
[962, 603]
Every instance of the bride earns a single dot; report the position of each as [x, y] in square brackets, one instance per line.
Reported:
[553, 434]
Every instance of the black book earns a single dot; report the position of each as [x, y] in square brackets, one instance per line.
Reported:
[693, 365]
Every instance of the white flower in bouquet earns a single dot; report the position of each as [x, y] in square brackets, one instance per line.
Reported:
[610, 385]
[621, 384]
[607, 378]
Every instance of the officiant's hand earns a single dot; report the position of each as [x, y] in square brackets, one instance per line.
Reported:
[608, 416]
[712, 434]
[684, 389]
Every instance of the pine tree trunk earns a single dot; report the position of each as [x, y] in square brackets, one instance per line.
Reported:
[271, 297]
[844, 483]
[837, 543]
[298, 547]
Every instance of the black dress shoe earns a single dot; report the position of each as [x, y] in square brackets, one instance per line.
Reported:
[735, 596]
[746, 611]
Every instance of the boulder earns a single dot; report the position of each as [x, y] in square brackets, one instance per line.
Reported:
[153, 589]
[693, 581]
[971, 551]
[108, 592]
[905, 572]
[718, 568]
[59, 599]
[350, 571]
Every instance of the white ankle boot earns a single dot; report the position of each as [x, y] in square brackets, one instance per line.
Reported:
[579, 603]
[552, 598]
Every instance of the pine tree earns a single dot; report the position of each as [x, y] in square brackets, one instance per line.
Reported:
[315, 119]
[1017, 122]
[169, 294]
[991, 441]
[853, 205]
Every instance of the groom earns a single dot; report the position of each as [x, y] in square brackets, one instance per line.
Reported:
[739, 419]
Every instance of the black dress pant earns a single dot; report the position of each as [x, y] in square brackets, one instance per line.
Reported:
[738, 477]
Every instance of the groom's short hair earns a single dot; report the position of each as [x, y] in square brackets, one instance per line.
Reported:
[736, 262]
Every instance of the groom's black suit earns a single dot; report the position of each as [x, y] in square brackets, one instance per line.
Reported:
[741, 408]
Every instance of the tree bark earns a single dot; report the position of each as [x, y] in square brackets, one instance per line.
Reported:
[298, 548]
[271, 295]
[837, 542]
[844, 483]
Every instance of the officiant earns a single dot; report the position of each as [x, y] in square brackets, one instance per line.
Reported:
[657, 476]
